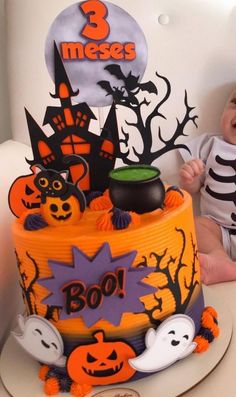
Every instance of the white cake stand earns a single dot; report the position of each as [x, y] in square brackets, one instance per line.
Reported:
[19, 371]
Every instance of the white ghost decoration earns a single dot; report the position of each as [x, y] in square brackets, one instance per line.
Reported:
[41, 340]
[172, 341]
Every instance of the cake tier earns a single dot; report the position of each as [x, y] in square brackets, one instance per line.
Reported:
[51, 261]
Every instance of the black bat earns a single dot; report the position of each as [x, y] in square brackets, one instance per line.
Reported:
[131, 81]
[117, 93]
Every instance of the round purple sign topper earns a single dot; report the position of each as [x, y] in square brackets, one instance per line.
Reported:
[91, 35]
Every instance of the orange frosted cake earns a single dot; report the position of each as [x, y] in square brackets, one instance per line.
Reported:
[104, 289]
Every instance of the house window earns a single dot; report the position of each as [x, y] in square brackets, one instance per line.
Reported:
[45, 152]
[81, 119]
[75, 145]
[107, 150]
[59, 122]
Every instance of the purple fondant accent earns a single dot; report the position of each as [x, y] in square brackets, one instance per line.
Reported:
[195, 311]
[90, 271]
[34, 222]
[120, 219]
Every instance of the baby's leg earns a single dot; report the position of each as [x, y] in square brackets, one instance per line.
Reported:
[216, 265]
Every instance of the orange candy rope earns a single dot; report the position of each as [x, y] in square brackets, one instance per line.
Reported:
[208, 322]
[51, 387]
[212, 311]
[43, 372]
[202, 344]
[78, 390]
[209, 329]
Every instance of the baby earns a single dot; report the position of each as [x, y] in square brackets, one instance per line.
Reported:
[211, 169]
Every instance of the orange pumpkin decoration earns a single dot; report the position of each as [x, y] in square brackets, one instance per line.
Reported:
[101, 363]
[23, 194]
[58, 212]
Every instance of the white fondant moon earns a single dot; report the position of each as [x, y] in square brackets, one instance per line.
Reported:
[41, 340]
[173, 341]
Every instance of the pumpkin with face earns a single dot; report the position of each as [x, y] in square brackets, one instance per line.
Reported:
[58, 212]
[24, 195]
[62, 202]
[101, 363]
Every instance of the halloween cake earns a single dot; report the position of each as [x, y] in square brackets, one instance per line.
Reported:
[101, 290]
[107, 255]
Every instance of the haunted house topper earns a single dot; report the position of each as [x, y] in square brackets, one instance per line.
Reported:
[71, 136]
[71, 122]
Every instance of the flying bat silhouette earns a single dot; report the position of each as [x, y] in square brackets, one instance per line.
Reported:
[131, 81]
[119, 94]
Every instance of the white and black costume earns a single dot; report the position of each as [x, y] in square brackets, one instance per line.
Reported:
[218, 191]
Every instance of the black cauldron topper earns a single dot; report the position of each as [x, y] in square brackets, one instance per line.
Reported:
[136, 188]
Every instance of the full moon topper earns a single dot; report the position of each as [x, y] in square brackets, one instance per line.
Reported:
[95, 34]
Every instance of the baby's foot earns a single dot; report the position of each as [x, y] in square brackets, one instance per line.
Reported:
[216, 268]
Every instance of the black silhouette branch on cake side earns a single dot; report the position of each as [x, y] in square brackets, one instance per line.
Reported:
[193, 283]
[173, 279]
[126, 96]
[28, 292]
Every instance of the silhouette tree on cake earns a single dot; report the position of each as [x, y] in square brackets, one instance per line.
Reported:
[29, 292]
[127, 96]
[171, 274]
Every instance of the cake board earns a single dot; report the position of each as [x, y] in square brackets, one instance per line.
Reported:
[19, 372]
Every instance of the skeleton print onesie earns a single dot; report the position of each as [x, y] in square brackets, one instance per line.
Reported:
[218, 191]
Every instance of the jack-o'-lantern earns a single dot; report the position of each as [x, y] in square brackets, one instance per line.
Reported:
[101, 363]
[58, 212]
[24, 195]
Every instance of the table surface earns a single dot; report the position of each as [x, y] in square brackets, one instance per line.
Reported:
[222, 380]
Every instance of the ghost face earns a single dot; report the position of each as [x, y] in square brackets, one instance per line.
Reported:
[171, 342]
[176, 334]
[40, 339]
[228, 119]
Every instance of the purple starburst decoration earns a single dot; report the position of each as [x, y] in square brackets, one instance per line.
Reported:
[90, 272]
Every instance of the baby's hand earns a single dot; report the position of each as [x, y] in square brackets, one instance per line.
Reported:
[191, 171]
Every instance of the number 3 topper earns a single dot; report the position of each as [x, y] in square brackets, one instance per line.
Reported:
[96, 34]
[97, 27]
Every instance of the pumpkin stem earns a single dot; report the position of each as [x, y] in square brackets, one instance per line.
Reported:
[99, 336]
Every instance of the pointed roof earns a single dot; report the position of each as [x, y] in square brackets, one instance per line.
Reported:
[110, 129]
[60, 75]
[36, 134]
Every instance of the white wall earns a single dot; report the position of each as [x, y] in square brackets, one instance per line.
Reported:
[4, 108]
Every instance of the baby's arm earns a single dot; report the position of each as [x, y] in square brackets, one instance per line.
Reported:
[190, 175]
